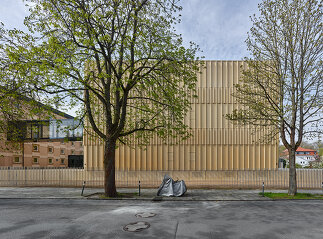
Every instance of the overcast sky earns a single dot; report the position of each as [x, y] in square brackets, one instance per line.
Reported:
[219, 27]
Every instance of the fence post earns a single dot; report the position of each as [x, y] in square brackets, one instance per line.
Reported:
[59, 177]
[16, 178]
[83, 188]
[25, 176]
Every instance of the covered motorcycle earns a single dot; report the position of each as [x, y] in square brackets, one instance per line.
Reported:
[171, 188]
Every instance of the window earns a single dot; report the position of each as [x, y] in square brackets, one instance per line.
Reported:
[65, 128]
[35, 160]
[62, 161]
[62, 151]
[37, 129]
[16, 159]
[45, 130]
[16, 130]
[28, 129]
[50, 161]
[50, 149]
[35, 148]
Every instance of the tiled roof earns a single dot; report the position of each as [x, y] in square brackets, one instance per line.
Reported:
[305, 150]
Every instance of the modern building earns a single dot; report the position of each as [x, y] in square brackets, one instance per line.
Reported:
[216, 143]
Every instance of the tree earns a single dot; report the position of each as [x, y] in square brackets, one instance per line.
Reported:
[121, 59]
[17, 101]
[282, 88]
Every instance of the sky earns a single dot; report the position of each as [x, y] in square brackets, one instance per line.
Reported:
[219, 27]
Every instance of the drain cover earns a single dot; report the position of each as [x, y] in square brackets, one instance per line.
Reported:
[136, 226]
[145, 214]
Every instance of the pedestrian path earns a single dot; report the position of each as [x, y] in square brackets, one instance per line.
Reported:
[133, 194]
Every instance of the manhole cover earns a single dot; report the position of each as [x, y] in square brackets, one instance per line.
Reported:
[136, 226]
[145, 214]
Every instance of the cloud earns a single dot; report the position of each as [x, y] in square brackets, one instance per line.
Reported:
[218, 27]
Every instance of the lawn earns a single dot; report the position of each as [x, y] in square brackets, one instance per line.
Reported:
[120, 195]
[297, 196]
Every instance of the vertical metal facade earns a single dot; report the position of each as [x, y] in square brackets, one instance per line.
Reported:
[216, 143]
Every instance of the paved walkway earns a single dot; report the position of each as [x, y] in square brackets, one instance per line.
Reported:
[146, 194]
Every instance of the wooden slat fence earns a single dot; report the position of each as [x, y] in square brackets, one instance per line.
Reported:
[68, 177]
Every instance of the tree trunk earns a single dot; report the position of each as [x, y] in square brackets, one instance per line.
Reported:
[109, 169]
[292, 190]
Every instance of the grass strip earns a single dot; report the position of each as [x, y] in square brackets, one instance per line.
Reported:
[119, 195]
[297, 196]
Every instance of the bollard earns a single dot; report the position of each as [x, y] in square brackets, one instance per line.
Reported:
[322, 186]
[139, 187]
[263, 189]
[83, 188]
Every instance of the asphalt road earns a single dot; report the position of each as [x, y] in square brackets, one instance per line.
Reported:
[63, 218]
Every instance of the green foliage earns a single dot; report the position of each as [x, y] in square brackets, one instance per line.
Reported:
[296, 165]
[317, 165]
[282, 87]
[321, 152]
[121, 59]
[297, 196]
[281, 149]
[119, 195]
[18, 100]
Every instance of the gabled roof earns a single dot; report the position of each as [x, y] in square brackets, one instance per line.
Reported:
[300, 149]
[41, 105]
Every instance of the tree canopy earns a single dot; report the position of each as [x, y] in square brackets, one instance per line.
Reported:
[120, 59]
[283, 86]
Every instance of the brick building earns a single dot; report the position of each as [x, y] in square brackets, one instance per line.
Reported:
[44, 143]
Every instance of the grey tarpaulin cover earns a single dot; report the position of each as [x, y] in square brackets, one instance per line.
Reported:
[171, 188]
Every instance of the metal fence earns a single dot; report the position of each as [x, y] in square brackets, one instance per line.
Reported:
[67, 177]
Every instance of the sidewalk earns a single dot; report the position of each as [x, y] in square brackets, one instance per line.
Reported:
[146, 194]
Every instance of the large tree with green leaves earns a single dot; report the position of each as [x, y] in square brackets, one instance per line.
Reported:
[121, 59]
[17, 100]
[283, 87]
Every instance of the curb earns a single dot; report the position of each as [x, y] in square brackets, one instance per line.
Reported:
[178, 200]
[157, 200]
[143, 199]
[65, 198]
